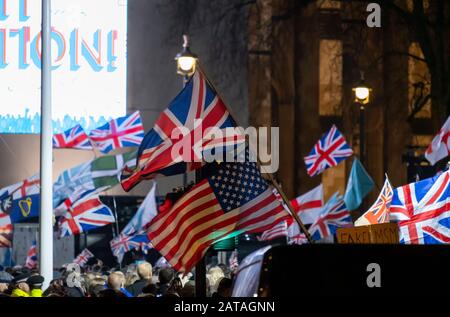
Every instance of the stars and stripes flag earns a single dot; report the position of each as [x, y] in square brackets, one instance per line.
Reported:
[84, 215]
[32, 260]
[232, 200]
[6, 230]
[83, 258]
[178, 127]
[277, 231]
[233, 261]
[118, 133]
[327, 152]
[333, 216]
[379, 211]
[74, 138]
[422, 210]
[440, 146]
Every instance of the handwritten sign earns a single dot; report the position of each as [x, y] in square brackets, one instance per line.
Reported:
[381, 233]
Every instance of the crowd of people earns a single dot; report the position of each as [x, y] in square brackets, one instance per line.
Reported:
[136, 280]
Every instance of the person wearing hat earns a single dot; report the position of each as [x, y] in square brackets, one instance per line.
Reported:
[35, 284]
[5, 280]
[21, 288]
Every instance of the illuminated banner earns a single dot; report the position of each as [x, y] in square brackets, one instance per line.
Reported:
[88, 63]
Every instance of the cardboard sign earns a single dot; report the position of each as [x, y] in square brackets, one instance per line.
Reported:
[380, 233]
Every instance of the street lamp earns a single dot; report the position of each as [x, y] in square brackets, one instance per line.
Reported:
[186, 60]
[362, 98]
[186, 65]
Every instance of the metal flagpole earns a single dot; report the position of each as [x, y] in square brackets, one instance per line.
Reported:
[46, 203]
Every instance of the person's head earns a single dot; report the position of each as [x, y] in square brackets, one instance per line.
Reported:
[116, 281]
[35, 281]
[225, 287]
[215, 274]
[23, 286]
[166, 276]
[144, 271]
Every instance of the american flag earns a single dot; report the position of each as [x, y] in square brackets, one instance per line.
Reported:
[327, 152]
[118, 133]
[83, 258]
[233, 261]
[32, 260]
[74, 138]
[234, 199]
[333, 216]
[277, 231]
[379, 211]
[84, 215]
[6, 230]
[422, 210]
[197, 101]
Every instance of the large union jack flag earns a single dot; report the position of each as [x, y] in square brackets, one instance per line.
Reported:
[118, 133]
[84, 215]
[422, 210]
[74, 138]
[186, 124]
[333, 216]
[379, 211]
[327, 152]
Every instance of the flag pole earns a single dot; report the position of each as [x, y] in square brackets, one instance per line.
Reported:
[272, 180]
[46, 208]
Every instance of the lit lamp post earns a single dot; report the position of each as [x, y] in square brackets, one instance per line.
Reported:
[362, 98]
[186, 65]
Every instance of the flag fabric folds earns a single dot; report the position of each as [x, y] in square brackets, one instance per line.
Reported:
[379, 211]
[6, 230]
[197, 102]
[422, 210]
[90, 178]
[32, 260]
[133, 235]
[83, 258]
[334, 215]
[440, 146]
[86, 214]
[122, 132]
[74, 138]
[277, 231]
[359, 185]
[309, 205]
[329, 151]
[232, 200]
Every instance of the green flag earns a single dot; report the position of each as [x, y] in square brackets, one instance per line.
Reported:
[359, 185]
[106, 170]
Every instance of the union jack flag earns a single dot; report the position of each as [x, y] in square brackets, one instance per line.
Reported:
[124, 243]
[118, 133]
[74, 138]
[233, 261]
[197, 102]
[333, 216]
[32, 260]
[327, 152]
[422, 210]
[84, 215]
[6, 230]
[379, 211]
[277, 231]
[298, 239]
[83, 258]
